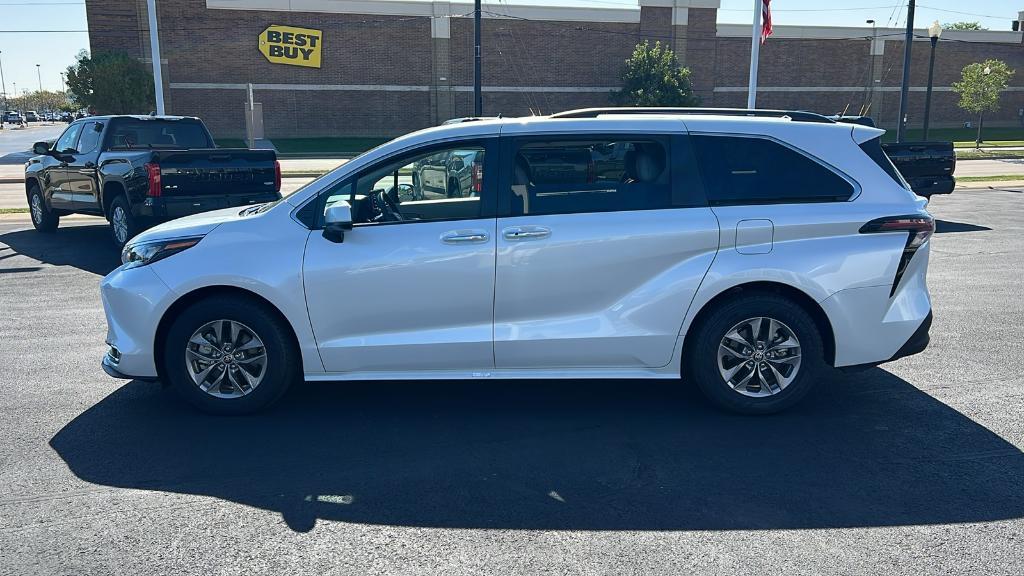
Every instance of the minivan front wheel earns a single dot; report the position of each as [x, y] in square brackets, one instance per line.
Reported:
[756, 354]
[229, 355]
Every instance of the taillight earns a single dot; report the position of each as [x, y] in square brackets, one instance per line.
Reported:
[277, 176]
[478, 177]
[919, 227]
[153, 177]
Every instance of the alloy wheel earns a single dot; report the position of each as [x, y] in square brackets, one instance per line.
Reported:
[759, 357]
[36, 206]
[226, 359]
[119, 219]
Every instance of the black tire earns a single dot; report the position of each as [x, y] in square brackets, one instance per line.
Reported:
[44, 219]
[118, 207]
[283, 366]
[701, 357]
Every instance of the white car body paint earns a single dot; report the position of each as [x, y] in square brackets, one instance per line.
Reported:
[602, 295]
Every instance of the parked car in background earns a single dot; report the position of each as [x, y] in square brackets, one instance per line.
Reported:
[746, 252]
[448, 174]
[927, 166]
[14, 117]
[67, 117]
[138, 171]
[31, 116]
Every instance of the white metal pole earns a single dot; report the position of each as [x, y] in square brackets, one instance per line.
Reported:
[252, 119]
[154, 48]
[755, 48]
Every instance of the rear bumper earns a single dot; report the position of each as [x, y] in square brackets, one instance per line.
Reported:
[152, 211]
[916, 344]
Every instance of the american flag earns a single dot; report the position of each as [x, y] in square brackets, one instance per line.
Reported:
[766, 20]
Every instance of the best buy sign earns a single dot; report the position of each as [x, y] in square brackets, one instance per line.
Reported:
[290, 45]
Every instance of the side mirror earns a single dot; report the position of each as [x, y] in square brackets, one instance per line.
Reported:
[337, 219]
[41, 148]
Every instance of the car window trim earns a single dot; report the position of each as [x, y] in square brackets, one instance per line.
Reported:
[850, 180]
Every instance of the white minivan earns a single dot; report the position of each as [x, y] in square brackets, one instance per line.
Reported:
[743, 251]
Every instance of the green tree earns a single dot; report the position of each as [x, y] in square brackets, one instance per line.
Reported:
[40, 100]
[111, 83]
[963, 26]
[979, 88]
[653, 77]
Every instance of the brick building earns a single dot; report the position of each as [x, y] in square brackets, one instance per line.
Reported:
[393, 66]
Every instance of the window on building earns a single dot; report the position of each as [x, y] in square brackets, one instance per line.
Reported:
[750, 170]
[590, 175]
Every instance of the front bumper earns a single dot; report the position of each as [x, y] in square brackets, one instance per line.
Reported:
[134, 300]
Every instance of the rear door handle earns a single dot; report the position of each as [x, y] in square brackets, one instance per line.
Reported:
[464, 237]
[525, 232]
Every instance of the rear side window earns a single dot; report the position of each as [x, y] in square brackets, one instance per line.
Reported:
[749, 170]
[873, 148]
[565, 176]
[158, 133]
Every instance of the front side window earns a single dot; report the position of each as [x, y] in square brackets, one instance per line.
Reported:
[66, 143]
[90, 137]
[750, 170]
[566, 176]
[439, 184]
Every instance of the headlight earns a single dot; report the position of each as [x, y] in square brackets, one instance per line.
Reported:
[142, 253]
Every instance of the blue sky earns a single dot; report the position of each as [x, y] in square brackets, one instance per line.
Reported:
[23, 42]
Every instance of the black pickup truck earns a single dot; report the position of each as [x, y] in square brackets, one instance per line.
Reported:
[927, 166]
[138, 171]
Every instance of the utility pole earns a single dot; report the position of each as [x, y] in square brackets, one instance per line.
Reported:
[478, 99]
[866, 109]
[934, 31]
[755, 47]
[905, 87]
[154, 48]
[3, 83]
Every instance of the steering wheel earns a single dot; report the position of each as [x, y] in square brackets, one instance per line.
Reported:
[384, 207]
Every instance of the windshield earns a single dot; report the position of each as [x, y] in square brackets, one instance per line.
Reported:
[159, 133]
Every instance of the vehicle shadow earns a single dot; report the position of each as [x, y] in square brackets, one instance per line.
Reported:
[88, 248]
[947, 226]
[867, 449]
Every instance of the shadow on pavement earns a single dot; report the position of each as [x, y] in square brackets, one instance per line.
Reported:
[866, 450]
[946, 226]
[88, 248]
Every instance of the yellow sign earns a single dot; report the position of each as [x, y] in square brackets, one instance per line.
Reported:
[290, 45]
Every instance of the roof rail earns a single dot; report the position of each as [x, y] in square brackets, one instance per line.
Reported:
[796, 115]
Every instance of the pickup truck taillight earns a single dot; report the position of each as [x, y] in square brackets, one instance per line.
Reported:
[277, 176]
[153, 177]
[919, 228]
[478, 177]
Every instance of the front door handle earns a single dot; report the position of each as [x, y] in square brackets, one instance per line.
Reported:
[464, 237]
[526, 232]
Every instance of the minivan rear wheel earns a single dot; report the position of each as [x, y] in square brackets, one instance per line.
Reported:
[229, 355]
[756, 354]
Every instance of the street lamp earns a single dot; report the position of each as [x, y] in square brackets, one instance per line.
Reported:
[934, 31]
[871, 68]
[981, 115]
[39, 75]
[3, 84]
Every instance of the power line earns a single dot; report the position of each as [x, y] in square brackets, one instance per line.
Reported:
[964, 13]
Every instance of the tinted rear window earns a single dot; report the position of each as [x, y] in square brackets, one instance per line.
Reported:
[180, 134]
[873, 148]
[749, 170]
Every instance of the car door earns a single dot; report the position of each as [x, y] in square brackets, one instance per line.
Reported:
[603, 242]
[82, 179]
[55, 175]
[411, 294]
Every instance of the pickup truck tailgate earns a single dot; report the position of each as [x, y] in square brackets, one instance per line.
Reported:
[209, 179]
[927, 166]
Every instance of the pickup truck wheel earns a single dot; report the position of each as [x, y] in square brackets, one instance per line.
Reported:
[122, 224]
[43, 218]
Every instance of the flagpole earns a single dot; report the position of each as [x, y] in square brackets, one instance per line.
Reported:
[755, 48]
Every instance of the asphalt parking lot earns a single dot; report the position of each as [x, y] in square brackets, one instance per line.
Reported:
[915, 468]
